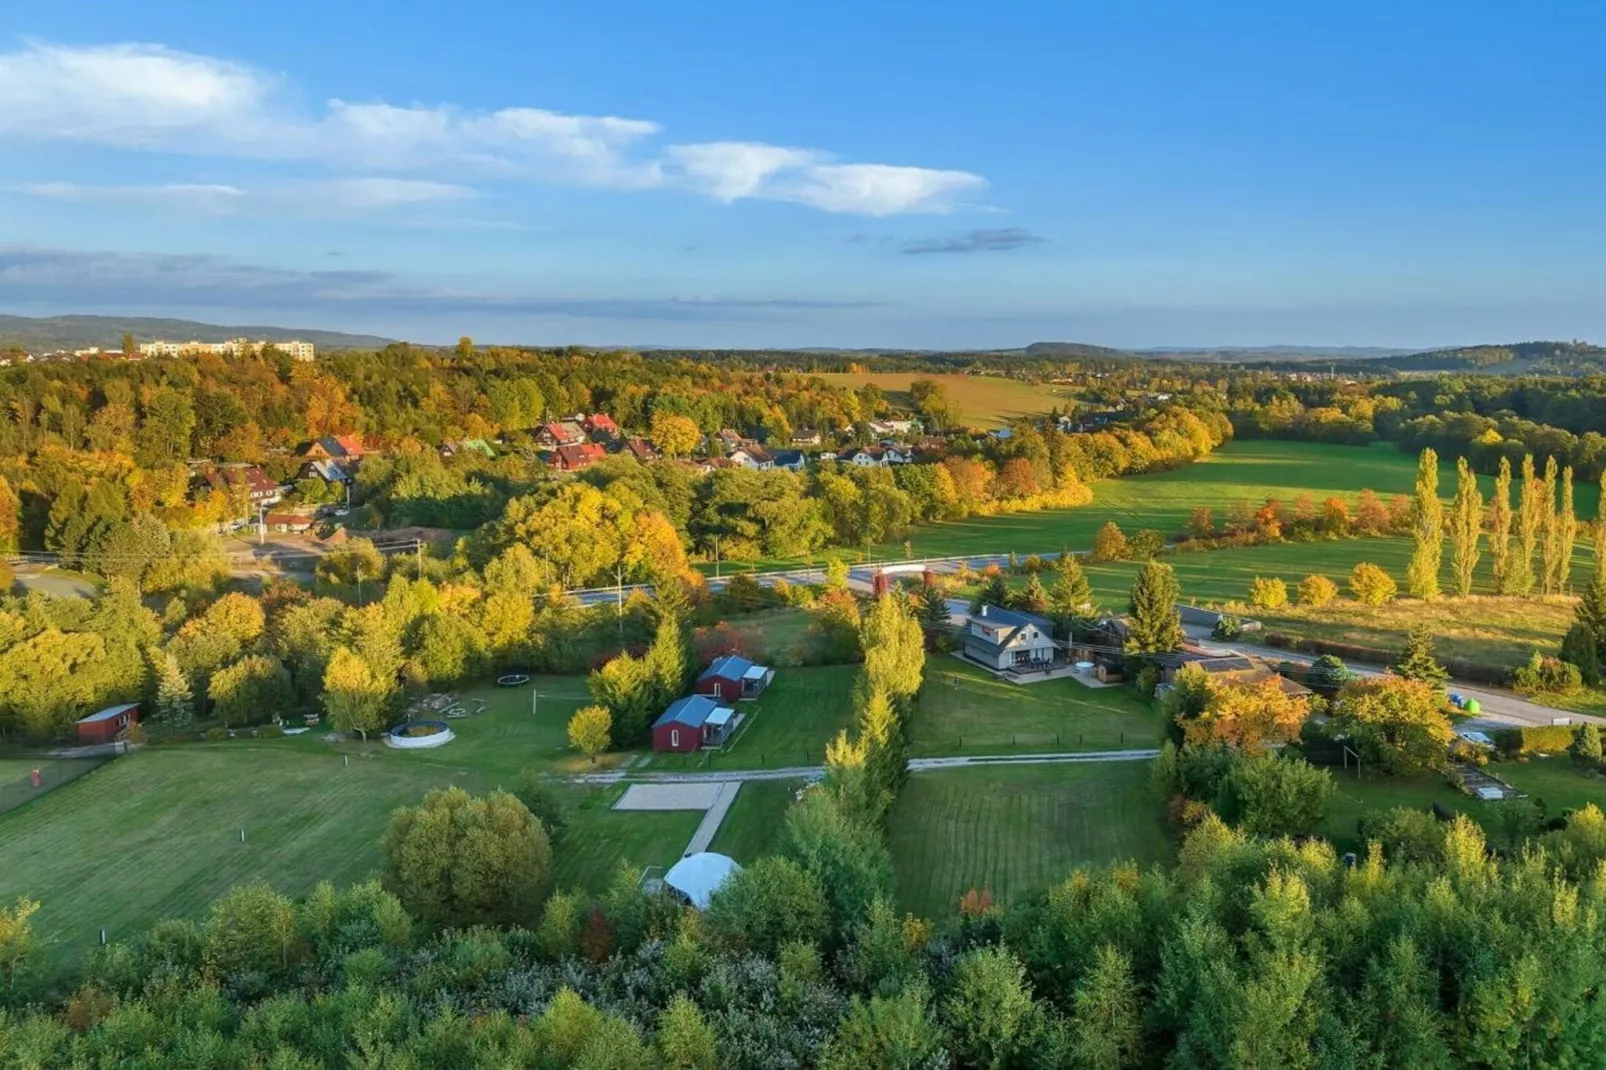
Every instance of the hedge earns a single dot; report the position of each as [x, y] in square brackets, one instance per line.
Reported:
[1533, 739]
[1466, 671]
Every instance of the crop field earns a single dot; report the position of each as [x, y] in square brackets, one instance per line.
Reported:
[965, 710]
[985, 400]
[752, 827]
[1018, 829]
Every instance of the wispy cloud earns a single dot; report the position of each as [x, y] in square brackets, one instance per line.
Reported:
[34, 276]
[976, 241]
[330, 198]
[151, 98]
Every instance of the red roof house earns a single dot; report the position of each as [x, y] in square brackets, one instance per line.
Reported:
[601, 423]
[574, 458]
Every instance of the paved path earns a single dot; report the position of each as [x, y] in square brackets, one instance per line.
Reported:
[1498, 709]
[916, 765]
[711, 821]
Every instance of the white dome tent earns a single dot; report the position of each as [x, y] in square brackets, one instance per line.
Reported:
[697, 877]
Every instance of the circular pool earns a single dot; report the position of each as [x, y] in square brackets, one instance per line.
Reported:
[419, 735]
[513, 679]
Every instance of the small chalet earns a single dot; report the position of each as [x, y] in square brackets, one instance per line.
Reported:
[691, 723]
[328, 471]
[1228, 665]
[733, 677]
[107, 725]
[336, 448]
[791, 460]
[640, 449]
[261, 489]
[578, 456]
[1004, 639]
[560, 433]
[806, 436]
[600, 425]
[755, 457]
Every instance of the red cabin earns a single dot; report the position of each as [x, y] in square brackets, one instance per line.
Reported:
[108, 724]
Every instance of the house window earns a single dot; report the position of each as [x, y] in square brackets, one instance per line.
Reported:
[718, 689]
[674, 737]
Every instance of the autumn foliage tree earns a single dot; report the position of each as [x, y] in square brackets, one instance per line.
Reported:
[1248, 716]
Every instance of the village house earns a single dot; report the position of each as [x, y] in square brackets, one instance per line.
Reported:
[791, 460]
[329, 471]
[640, 449]
[729, 439]
[755, 457]
[1229, 666]
[458, 446]
[290, 521]
[1004, 639]
[874, 456]
[557, 433]
[575, 457]
[806, 436]
[600, 425]
[260, 488]
[892, 427]
[336, 448]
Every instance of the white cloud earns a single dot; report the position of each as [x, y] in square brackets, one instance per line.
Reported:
[150, 97]
[318, 199]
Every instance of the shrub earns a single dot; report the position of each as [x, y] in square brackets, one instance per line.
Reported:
[1316, 590]
[1228, 627]
[270, 731]
[1370, 585]
[1546, 674]
[1533, 739]
[216, 735]
[1268, 593]
[1145, 544]
[1585, 747]
[1148, 679]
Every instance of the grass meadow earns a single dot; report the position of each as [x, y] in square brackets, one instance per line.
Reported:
[1018, 829]
[752, 827]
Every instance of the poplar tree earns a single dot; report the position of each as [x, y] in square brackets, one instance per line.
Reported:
[1550, 545]
[1465, 523]
[1530, 514]
[1500, 528]
[1422, 576]
[1568, 534]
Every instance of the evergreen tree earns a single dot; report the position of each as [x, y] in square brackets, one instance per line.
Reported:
[1578, 648]
[175, 702]
[933, 606]
[1600, 524]
[1033, 598]
[1530, 514]
[668, 661]
[1550, 529]
[1071, 598]
[1591, 608]
[1422, 576]
[1585, 748]
[995, 592]
[1466, 520]
[1154, 626]
[1568, 535]
[1417, 661]
[1500, 529]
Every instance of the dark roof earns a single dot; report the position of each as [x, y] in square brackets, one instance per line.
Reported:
[1010, 617]
[689, 712]
[109, 712]
[787, 458]
[729, 667]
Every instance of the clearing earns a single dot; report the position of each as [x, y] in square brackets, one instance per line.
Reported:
[966, 710]
[1018, 829]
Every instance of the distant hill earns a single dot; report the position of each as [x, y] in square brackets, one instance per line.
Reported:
[1283, 352]
[46, 334]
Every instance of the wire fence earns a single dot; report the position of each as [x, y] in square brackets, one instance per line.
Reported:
[46, 776]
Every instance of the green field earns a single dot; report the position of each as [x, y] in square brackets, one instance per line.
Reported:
[985, 400]
[793, 720]
[1018, 829]
[965, 710]
[157, 833]
[1553, 780]
[752, 826]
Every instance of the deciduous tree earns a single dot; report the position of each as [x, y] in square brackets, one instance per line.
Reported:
[1370, 585]
[591, 731]
[1531, 510]
[1466, 520]
[1422, 576]
[1398, 725]
[1316, 590]
[457, 859]
[1500, 530]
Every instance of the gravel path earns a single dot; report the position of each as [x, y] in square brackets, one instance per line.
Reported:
[916, 765]
[716, 814]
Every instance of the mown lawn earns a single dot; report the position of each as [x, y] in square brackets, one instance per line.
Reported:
[793, 720]
[1018, 829]
[752, 826]
[964, 710]
[598, 839]
[775, 636]
[1554, 780]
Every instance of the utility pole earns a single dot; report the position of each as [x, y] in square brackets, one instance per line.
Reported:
[619, 597]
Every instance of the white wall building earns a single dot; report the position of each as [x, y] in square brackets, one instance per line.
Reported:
[234, 347]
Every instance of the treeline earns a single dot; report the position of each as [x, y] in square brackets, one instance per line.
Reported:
[1252, 952]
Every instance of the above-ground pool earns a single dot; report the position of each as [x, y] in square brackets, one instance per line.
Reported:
[419, 735]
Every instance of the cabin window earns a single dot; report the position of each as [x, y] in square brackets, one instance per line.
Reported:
[674, 737]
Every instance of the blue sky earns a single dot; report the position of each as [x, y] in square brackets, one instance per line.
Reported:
[723, 174]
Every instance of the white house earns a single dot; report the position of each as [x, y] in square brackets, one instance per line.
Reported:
[1004, 639]
[892, 427]
[752, 457]
[876, 456]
